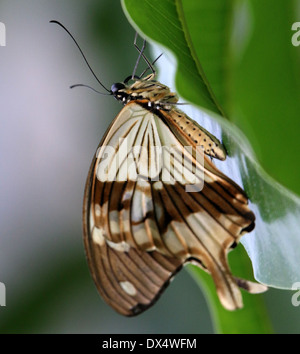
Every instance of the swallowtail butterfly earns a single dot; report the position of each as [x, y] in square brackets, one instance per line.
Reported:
[141, 222]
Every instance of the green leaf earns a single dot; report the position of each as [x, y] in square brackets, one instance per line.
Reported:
[265, 88]
[170, 31]
[209, 41]
[209, 36]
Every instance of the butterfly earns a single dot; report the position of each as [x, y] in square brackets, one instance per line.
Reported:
[145, 216]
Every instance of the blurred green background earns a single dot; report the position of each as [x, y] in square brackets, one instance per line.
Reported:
[48, 136]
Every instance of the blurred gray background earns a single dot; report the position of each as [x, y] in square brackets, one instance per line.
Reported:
[48, 135]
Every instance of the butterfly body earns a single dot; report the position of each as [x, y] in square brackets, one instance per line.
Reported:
[140, 223]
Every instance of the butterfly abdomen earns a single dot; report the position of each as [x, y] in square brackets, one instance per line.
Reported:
[196, 134]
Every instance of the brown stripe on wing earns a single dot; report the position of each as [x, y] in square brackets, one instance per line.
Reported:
[227, 206]
[129, 281]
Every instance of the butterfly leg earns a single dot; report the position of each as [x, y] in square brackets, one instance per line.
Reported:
[141, 54]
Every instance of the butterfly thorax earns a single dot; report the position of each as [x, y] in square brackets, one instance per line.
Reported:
[158, 95]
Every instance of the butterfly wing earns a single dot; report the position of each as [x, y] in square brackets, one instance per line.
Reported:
[140, 223]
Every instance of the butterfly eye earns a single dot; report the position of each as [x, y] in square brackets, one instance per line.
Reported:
[116, 87]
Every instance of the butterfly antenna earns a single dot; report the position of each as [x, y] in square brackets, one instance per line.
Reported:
[69, 33]
[90, 87]
[141, 54]
[144, 72]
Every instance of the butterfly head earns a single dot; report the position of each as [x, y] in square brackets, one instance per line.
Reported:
[148, 88]
[127, 90]
[118, 90]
